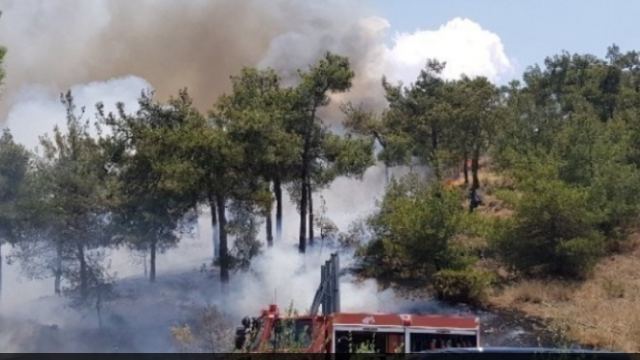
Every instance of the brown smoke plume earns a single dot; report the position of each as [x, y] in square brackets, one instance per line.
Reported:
[171, 43]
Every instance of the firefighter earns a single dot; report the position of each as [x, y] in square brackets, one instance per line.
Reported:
[474, 199]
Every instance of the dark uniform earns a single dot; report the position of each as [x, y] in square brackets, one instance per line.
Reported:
[474, 199]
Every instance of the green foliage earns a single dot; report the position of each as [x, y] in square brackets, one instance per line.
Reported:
[396, 147]
[509, 197]
[477, 113]
[258, 114]
[243, 226]
[570, 142]
[466, 285]
[151, 186]
[472, 224]
[348, 156]
[613, 194]
[228, 159]
[412, 231]
[64, 210]
[552, 232]
[209, 331]
[417, 117]
[576, 148]
[357, 233]
[322, 156]
[3, 52]
[14, 164]
[440, 123]
[568, 136]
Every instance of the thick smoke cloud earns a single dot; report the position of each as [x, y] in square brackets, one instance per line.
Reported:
[171, 44]
[111, 50]
[198, 44]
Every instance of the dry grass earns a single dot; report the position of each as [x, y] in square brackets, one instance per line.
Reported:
[603, 312]
[490, 180]
[494, 206]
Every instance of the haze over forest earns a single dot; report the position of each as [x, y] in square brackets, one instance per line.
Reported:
[173, 172]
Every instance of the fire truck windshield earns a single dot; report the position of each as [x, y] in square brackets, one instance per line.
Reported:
[430, 341]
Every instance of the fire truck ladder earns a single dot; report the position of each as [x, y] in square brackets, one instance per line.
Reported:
[328, 293]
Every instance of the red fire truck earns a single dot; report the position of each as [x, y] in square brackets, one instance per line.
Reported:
[340, 332]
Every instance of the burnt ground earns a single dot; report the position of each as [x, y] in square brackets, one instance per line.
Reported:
[140, 319]
[512, 328]
[499, 327]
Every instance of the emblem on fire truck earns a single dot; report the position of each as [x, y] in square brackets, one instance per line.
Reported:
[369, 320]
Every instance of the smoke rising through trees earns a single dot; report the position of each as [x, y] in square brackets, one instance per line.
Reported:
[192, 180]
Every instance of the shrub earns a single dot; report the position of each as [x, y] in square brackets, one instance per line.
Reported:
[468, 286]
[552, 233]
[509, 197]
[412, 231]
[614, 193]
[209, 331]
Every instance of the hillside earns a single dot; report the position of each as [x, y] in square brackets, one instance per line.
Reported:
[601, 311]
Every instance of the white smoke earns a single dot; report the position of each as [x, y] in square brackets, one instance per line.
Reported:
[169, 45]
[37, 109]
[463, 44]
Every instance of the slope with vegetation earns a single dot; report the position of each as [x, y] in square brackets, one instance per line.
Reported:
[555, 157]
[555, 234]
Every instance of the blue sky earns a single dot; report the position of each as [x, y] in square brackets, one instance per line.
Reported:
[529, 30]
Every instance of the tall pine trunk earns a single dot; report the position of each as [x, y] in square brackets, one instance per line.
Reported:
[144, 262]
[434, 148]
[465, 168]
[304, 197]
[269, 226]
[84, 285]
[224, 253]
[474, 168]
[305, 190]
[386, 166]
[152, 261]
[99, 308]
[58, 269]
[277, 190]
[215, 240]
[302, 244]
[310, 193]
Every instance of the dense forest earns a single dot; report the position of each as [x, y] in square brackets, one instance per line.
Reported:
[537, 179]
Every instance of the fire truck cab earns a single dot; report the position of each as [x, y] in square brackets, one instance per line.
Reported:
[358, 332]
[401, 333]
[334, 331]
